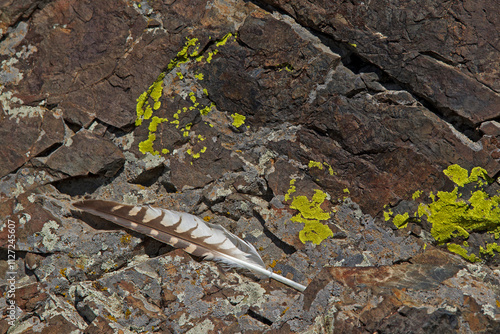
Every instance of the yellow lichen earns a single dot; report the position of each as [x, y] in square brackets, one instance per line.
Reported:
[291, 190]
[320, 165]
[238, 120]
[125, 239]
[416, 194]
[315, 164]
[149, 100]
[453, 216]
[311, 214]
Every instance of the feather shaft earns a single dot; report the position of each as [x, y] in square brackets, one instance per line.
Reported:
[188, 232]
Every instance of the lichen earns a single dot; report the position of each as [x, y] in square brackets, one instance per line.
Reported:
[460, 175]
[196, 155]
[149, 101]
[401, 221]
[453, 216]
[238, 120]
[388, 215]
[490, 249]
[316, 164]
[416, 194]
[143, 107]
[320, 165]
[205, 110]
[183, 55]
[125, 239]
[291, 190]
[457, 249]
[147, 145]
[285, 66]
[224, 39]
[311, 214]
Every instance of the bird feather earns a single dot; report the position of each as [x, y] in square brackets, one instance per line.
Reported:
[185, 231]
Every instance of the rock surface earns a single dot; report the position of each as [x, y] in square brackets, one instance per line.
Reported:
[249, 108]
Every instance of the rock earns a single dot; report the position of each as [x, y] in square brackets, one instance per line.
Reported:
[89, 154]
[428, 48]
[490, 128]
[278, 123]
[27, 137]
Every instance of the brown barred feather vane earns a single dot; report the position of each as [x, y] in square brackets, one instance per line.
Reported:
[188, 232]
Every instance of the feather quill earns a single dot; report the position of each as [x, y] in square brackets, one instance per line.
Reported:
[188, 232]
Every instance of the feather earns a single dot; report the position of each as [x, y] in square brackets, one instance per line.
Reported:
[188, 232]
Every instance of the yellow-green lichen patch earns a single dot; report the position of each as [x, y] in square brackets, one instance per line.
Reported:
[149, 101]
[315, 164]
[291, 190]
[196, 155]
[147, 145]
[285, 66]
[388, 215]
[460, 176]
[453, 215]
[211, 54]
[346, 191]
[192, 97]
[490, 249]
[401, 221]
[153, 126]
[238, 120]
[416, 194]
[205, 110]
[457, 249]
[143, 107]
[330, 169]
[183, 56]
[224, 39]
[320, 165]
[311, 214]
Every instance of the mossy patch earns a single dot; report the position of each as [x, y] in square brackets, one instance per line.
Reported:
[454, 216]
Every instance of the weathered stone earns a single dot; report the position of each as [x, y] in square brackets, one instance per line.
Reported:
[490, 128]
[364, 103]
[438, 52]
[26, 137]
[88, 154]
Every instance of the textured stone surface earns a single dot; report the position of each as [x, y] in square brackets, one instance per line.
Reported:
[437, 50]
[88, 154]
[380, 96]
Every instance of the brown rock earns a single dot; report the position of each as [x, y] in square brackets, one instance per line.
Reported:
[88, 154]
[441, 54]
[27, 137]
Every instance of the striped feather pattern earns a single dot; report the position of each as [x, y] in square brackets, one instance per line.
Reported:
[185, 231]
